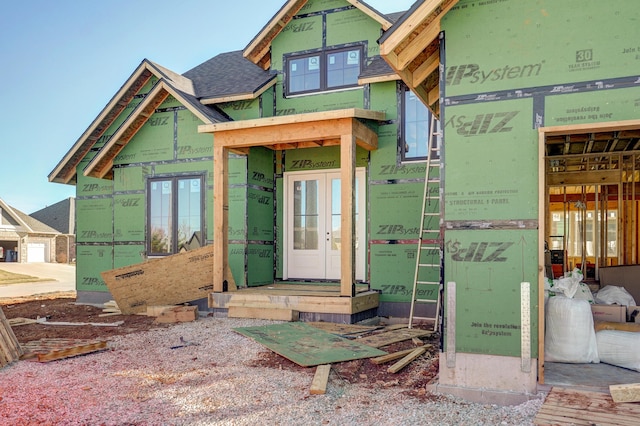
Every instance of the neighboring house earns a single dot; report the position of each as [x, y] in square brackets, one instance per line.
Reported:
[317, 145]
[61, 217]
[540, 105]
[25, 239]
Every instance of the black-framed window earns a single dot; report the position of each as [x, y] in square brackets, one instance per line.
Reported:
[415, 127]
[321, 71]
[175, 212]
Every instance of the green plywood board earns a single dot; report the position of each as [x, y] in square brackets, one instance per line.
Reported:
[488, 267]
[260, 163]
[320, 158]
[279, 234]
[491, 169]
[192, 144]
[392, 269]
[497, 45]
[395, 211]
[153, 142]
[580, 108]
[94, 220]
[384, 98]
[91, 260]
[344, 26]
[313, 6]
[299, 35]
[237, 263]
[259, 214]
[319, 102]
[126, 255]
[237, 169]
[242, 110]
[91, 187]
[259, 264]
[237, 213]
[306, 345]
[129, 217]
[130, 178]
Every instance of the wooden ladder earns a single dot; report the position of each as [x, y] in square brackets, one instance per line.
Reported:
[427, 280]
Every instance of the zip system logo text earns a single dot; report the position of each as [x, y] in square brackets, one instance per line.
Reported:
[473, 74]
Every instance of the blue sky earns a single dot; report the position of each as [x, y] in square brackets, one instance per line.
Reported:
[63, 60]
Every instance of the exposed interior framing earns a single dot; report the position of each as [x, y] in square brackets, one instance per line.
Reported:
[593, 167]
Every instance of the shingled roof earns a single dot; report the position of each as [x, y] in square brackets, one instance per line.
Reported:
[229, 76]
[59, 216]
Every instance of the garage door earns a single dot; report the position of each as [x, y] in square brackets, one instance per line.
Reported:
[36, 252]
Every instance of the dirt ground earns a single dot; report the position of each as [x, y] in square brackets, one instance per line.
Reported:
[412, 378]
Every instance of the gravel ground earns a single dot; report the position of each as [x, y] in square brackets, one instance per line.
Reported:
[219, 381]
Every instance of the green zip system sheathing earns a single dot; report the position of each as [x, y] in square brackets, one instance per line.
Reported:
[509, 69]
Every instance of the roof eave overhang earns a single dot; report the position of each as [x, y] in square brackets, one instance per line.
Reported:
[101, 166]
[240, 96]
[378, 79]
[412, 49]
[65, 170]
[296, 131]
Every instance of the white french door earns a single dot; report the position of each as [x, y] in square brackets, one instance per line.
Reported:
[312, 224]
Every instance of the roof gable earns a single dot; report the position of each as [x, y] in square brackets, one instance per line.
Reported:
[412, 48]
[258, 50]
[30, 224]
[101, 166]
[60, 216]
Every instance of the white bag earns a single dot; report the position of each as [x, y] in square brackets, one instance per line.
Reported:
[614, 295]
[619, 348]
[569, 336]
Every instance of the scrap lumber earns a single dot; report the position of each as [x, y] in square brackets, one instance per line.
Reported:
[44, 321]
[320, 380]
[178, 314]
[179, 278]
[14, 322]
[394, 336]
[45, 350]
[406, 360]
[275, 314]
[391, 357]
[156, 310]
[625, 393]
[10, 349]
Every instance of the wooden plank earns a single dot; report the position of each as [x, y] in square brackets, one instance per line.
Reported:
[14, 322]
[162, 281]
[154, 311]
[391, 357]
[178, 314]
[274, 314]
[347, 213]
[406, 360]
[50, 349]
[572, 406]
[306, 345]
[390, 337]
[320, 379]
[10, 349]
[625, 393]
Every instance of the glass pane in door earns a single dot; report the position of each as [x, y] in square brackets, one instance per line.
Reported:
[305, 215]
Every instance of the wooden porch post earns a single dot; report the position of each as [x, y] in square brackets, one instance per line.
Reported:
[347, 213]
[220, 217]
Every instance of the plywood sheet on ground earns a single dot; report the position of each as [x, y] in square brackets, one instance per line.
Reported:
[175, 279]
[306, 345]
[576, 407]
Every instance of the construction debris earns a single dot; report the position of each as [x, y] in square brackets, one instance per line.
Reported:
[10, 349]
[394, 336]
[174, 279]
[393, 356]
[406, 360]
[45, 321]
[320, 380]
[184, 344]
[14, 322]
[178, 314]
[625, 393]
[45, 350]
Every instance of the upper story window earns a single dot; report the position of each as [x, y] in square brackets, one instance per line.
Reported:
[322, 71]
[415, 128]
[175, 212]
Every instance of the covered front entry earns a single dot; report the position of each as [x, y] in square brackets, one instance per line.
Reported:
[344, 128]
[313, 225]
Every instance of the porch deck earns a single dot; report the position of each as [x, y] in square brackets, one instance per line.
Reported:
[311, 302]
